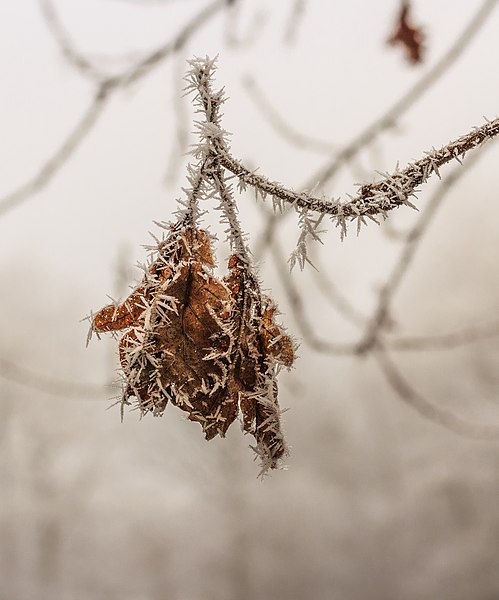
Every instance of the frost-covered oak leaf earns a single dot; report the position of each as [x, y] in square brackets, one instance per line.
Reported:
[209, 346]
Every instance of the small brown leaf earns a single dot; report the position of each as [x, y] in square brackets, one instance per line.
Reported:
[408, 36]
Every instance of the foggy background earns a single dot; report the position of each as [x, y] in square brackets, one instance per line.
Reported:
[377, 502]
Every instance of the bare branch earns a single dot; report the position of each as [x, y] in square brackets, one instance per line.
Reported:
[446, 341]
[62, 154]
[254, 28]
[141, 67]
[144, 66]
[428, 410]
[335, 297]
[281, 126]
[299, 311]
[103, 92]
[294, 20]
[49, 385]
[71, 54]
[180, 146]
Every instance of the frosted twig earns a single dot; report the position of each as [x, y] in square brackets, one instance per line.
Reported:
[309, 231]
[372, 199]
[229, 209]
[395, 111]
[212, 137]
[196, 176]
[428, 410]
[412, 241]
[376, 198]
[388, 119]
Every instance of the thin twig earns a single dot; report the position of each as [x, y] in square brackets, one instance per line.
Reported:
[298, 309]
[281, 126]
[180, 146]
[144, 66]
[372, 199]
[237, 40]
[445, 341]
[196, 176]
[70, 52]
[295, 17]
[331, 292]
[211, 138]
[428, 410]
[103, 92]
[62, 154]
[236, 237]
[50, 385]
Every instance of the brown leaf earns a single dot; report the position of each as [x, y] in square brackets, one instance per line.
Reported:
[210, 347]
[261, 346]
[173, 322]
[408, 36]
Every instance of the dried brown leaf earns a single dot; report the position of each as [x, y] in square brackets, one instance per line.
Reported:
[210, 347]
[408, 36]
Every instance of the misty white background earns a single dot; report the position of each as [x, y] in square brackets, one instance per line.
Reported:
[377, 502]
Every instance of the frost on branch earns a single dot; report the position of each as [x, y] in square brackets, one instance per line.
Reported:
[209, 346]
[309, 229]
